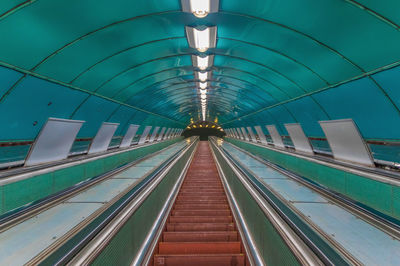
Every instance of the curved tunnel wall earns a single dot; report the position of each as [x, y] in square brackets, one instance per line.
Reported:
[28, 106]
[371, 103]
[275, 62]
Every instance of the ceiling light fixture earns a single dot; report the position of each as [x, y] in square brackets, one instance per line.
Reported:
[202, 62]
[200, 8]
[202, 76]
[203, 85]
[203, 96]
[202, 39]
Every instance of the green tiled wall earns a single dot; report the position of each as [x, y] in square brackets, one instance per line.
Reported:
[20, 193]
[380, 196]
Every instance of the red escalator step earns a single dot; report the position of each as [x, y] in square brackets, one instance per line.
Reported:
[200, 260]
[199, 247]
[203, 197]
[201, 212]
[199, 206]
[201, 219]
[200, 227]
[200, 236]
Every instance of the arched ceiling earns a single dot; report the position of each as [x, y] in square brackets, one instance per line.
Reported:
[268, 53]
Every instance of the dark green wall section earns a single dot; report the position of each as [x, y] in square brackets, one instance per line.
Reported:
[377, 195]
[17, 194]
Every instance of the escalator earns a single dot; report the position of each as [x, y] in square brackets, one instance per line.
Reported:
[200, 229]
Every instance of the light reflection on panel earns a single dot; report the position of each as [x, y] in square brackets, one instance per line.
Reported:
[167, 133]
[261, 134]
[129, 135]
[253, 137]
[235, 133]
[240, 133]
[160, 136]
[103, 137]
[144, 135]
[299, 139]
[54, 141]
[153, 135]
[276, 137]
[346, 141]
[246, 136]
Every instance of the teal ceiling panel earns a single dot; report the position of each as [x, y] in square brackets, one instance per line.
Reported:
[94, 111]
[31, 103]
[384, 10]
[389, 80]
[365, 103]
[308, 112]
[129, 61]
[8, 78]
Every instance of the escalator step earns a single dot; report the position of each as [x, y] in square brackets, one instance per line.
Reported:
[199, 247]
[200, 260]
[200, 236]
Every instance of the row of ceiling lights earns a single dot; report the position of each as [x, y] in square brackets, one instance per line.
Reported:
[202, 38]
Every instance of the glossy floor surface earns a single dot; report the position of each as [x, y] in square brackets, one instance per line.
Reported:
[200, 229]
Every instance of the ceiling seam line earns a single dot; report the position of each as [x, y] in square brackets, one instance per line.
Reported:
[118, 53]
[16, 8]
[91, 32]
[138, 65]
[374, 13]
[223, 38]
[244, 59]
[301, 33]
[33, 74]
[385, 94]
[367, 74]
[234, 57]
[193, 81]
[280, 53]
[216, 68]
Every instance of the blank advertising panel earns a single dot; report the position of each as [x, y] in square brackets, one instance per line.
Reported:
[129, 135]
[246, 136]
[160, 136]
[54, 141]
[276, 137]
[261, 134]
[253, 137]
[240, 133]
[300, 141]
[144, 135]
[167, 133]
[346, 142]
[153, 135]
[103, 137]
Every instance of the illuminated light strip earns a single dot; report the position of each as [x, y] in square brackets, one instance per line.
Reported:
[202, 62]
[202, 38]
[200, 8]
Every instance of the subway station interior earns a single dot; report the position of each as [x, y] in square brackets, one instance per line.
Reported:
[200, 132]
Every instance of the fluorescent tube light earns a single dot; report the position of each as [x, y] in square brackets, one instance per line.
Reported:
[200, 8]
[202, 62]
[203, 85]
[203, 76]
[202, 39]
